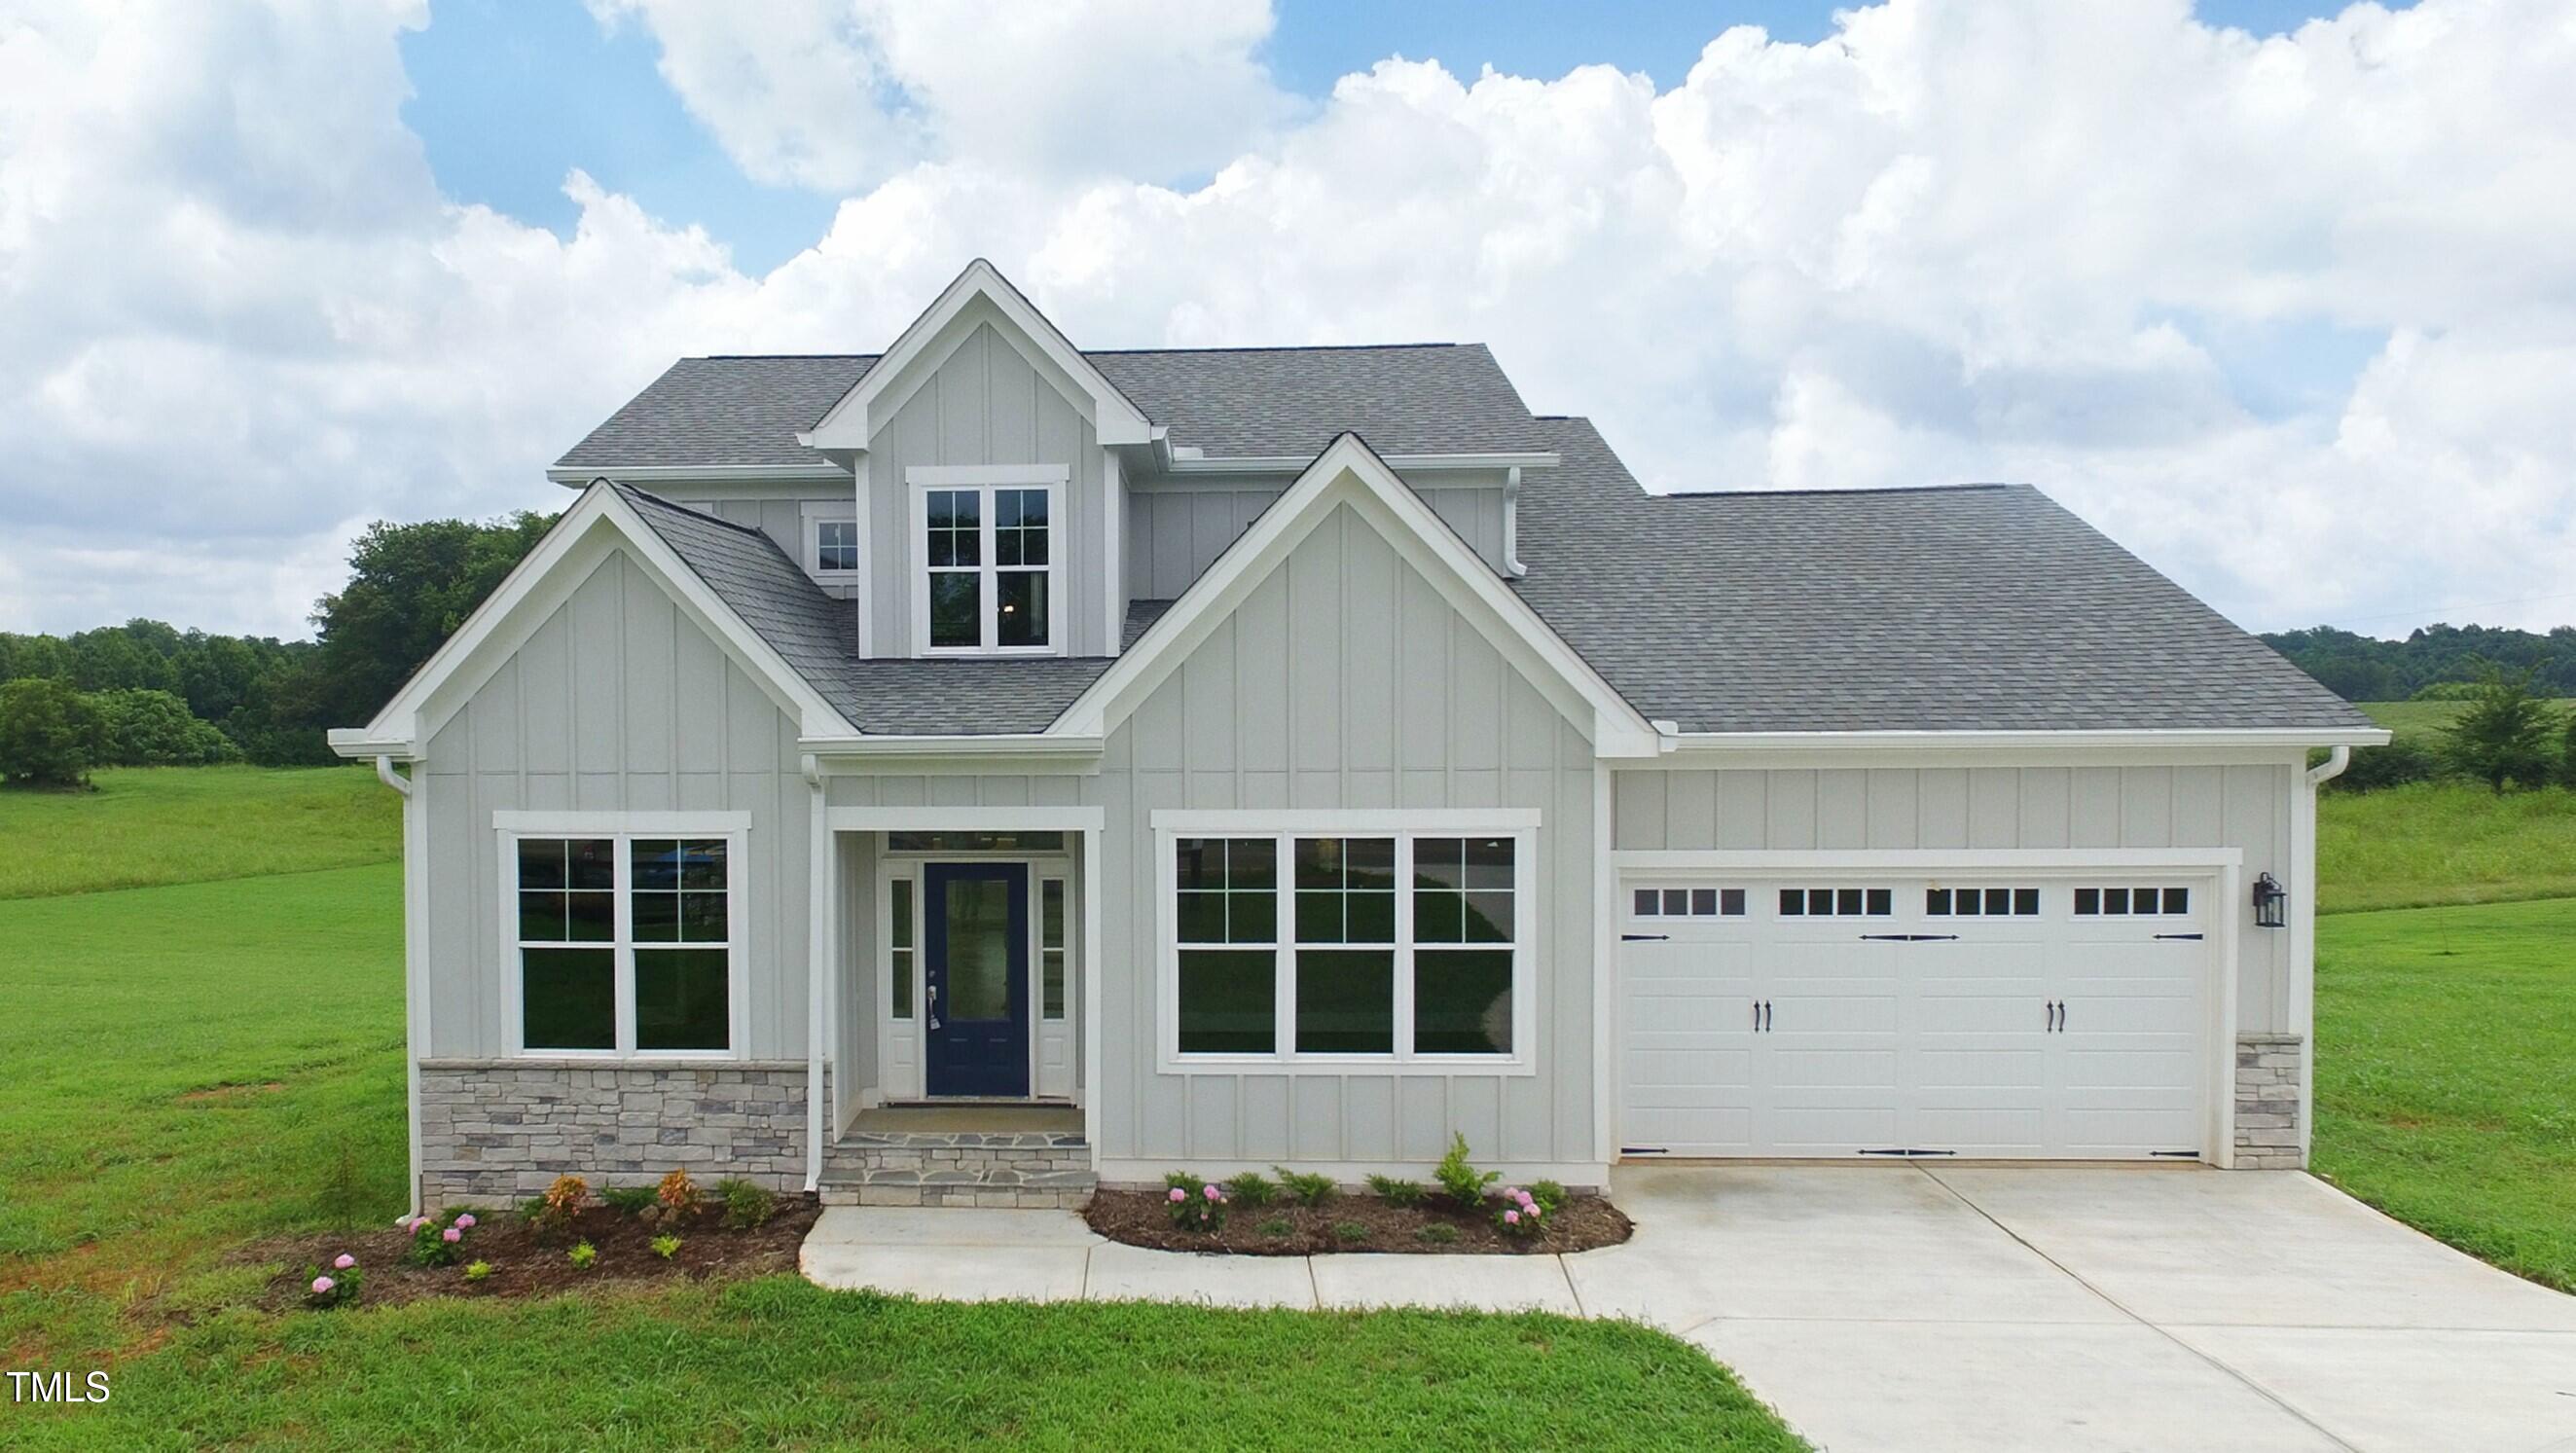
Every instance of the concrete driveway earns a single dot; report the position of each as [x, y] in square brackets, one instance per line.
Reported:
[1929, 1307]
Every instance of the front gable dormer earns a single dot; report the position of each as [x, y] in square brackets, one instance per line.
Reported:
[984, 447]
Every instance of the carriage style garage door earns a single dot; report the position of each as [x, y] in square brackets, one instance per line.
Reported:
[2040, 1017]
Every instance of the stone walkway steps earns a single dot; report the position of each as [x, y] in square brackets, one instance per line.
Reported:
[1025, 1169]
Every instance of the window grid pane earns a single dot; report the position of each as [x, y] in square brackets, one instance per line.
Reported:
[675, 948]
[1051, 948]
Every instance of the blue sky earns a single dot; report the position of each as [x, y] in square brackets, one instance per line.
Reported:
[510, 95]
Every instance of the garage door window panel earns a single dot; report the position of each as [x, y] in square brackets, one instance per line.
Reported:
[1837, 902]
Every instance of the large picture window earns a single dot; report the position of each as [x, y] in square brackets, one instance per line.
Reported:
[988, 555]
[624, 942]
[1390, 944]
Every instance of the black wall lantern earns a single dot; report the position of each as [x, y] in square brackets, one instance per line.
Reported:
[2271, 902]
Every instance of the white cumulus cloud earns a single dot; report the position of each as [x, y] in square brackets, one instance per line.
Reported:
[2293, 316]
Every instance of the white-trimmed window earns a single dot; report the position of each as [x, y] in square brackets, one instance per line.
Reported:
[1051, 950]
[833, 544]
[1370, 943]
[987, 557]
[624, 939]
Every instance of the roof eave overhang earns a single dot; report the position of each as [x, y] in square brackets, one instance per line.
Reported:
[578, 476]
[1400, 463]
[1865, 748]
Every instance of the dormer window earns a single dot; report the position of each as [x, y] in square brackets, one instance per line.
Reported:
[833, 545]
[987, 559]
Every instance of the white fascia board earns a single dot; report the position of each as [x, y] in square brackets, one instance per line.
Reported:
[1400, 463]
[966, 819]
[1348, 471]
[1709, 744]
[356, 745]
[1116, 420]
[499, 625]
[1013, 744]
[733, 476]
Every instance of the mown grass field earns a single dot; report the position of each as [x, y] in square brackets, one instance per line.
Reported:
[149, 825]
[2446, 1049]
[195, 1066]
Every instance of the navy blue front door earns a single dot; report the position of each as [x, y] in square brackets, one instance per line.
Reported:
[976, 978]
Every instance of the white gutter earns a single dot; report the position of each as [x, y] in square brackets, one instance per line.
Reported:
[2332, 767]
[999, 744]
[385, 773]
[2341, 738]
[694, 473]
[1512, 565]
[1400, 463]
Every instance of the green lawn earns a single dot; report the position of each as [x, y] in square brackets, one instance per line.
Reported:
[2446, 1049]
[2432, 843]
[194, 1066]
[153, 825]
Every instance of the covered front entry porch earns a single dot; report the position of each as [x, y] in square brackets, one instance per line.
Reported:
[960, 971]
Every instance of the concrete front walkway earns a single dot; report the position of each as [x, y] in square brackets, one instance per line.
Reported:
[1926, 1308]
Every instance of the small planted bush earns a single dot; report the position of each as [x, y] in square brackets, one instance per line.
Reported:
[1520, 1215]
[666, 1246]
[1253, 1188]
[628, 1200]
[1276, 1226]
[583, 1257]
[1398, 1192]
[1439, 1233]
[1459, 1179]
[677, 1193]
[477, 1271]
[1307, 1189]
[435, 1242]
[748, 1206]
[1550, 1196]
[1195, 1205]
[337, 1286]
[563, 1201]
[1350, 1232]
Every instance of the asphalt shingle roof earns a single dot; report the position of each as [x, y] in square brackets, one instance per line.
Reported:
[1969, 608]
[1428, 398]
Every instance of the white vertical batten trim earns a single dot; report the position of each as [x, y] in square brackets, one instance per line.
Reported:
[415, 829]
[2303, 932]
[2229, 921]
[818, 892]
[1088, 1070]
[1113, 513]
[867, 554]
[1609, 1039]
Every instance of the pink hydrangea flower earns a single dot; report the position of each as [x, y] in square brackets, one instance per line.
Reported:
[451, 1235]
[322, 1285]
[466, 1220]
[1214, 1194]
[1525, 1198]
[1179, 1195]
[1511, 1218]
[344, 1261]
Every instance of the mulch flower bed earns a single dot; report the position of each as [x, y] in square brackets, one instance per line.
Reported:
[1353, 1223]
[527, 1261]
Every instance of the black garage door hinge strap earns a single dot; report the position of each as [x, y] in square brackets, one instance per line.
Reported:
[2192, 936]
[1645, 938]
[1908, 1150]
[1909, 938]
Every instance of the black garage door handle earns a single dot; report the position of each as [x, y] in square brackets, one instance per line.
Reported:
[1909, 938]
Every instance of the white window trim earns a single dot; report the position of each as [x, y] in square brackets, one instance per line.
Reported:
[624, 827]
[818, 513]
[984, 480]
[1520, 825]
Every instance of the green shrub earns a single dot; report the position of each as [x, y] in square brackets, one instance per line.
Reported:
[748, 1206]
[677, 1192]
[146, 728]
[1550, 1196]
[666, 1246]
[628, 1200]
[2402, 761]
[583, 1257]
[50, 735]
[1438, 1233]
[478, 1270]
[1252, 1188]
[1349, 1232]
[336, 1287]
[435, 1241]
[1462, 1182]
[1276, 1226]
[1306, 1189]
[1398, 1193]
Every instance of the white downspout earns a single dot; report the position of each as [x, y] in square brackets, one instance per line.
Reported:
[818, 893]
[1512, 565]
[415, 1003]
[2303, 944]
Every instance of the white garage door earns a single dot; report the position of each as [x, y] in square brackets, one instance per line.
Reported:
[1830, 1016]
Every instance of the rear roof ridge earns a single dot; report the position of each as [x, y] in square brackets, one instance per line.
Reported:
[1957, 487]
[1292, 348]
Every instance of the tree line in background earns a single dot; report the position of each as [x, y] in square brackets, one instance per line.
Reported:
[2507, 736]
[2434, 663]
[148, 694]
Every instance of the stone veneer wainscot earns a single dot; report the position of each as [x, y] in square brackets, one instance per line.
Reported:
[2267, 1102]
[504, 1129]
